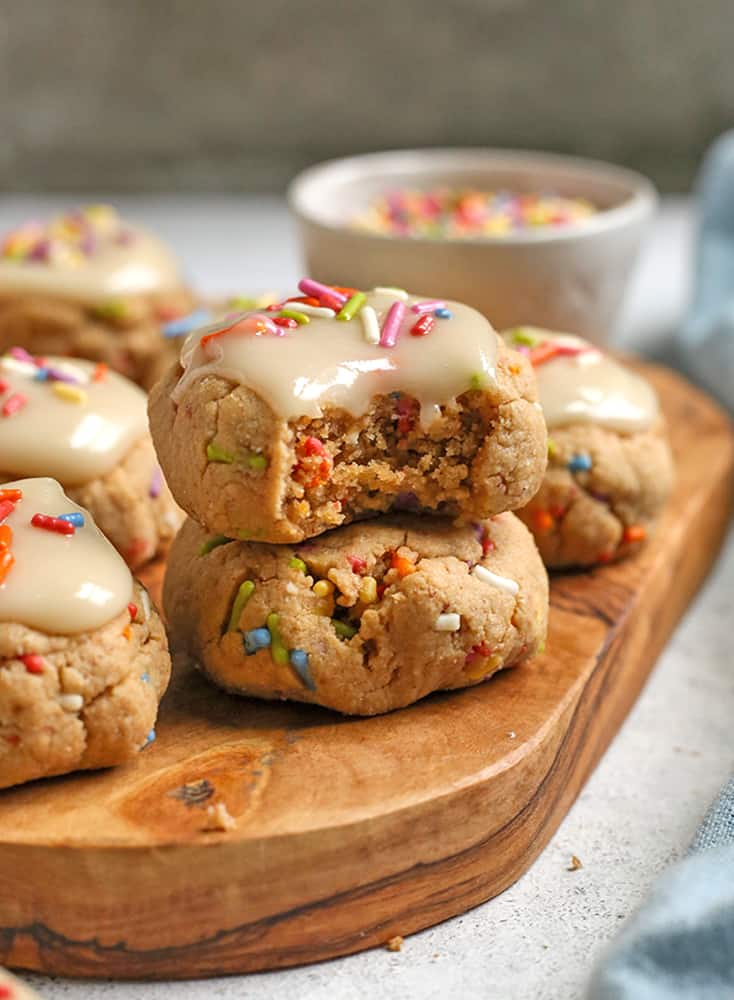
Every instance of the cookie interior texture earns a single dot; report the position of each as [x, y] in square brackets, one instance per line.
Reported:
[239, 469]
[364, 619]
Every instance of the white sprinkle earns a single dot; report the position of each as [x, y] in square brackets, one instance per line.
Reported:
[448, 623]
[146, 604]
[291, 588]
[503, 582]
[16, 365]
[370, 325]
[71, 702]
[309, 310]
[399, 293]
[512, 734]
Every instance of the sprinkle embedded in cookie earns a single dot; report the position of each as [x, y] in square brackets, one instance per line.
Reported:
[87, 427]
[338, 404]
[83, 656]
[610, 469]
[363, 619]
[90, 285]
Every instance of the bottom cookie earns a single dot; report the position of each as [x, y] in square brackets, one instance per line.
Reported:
[362, 619]
[77, 702]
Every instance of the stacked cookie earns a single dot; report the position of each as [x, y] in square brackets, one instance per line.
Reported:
[349, 460]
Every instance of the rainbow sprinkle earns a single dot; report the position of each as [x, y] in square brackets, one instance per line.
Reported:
[66, 240]
[465, 213]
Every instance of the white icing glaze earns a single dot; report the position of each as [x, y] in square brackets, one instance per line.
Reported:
[71, 441]
[589, 387]
[329, 361]
[62, 584]
[126, 260]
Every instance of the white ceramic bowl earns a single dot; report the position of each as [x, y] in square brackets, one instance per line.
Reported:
[571, 278]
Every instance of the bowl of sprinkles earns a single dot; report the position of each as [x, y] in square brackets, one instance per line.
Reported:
[527, 238]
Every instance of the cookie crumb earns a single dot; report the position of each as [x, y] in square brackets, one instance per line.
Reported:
[395, 943]
[219, 818]
[575, 864]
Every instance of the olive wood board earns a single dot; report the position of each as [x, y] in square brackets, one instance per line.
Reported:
[350, 831]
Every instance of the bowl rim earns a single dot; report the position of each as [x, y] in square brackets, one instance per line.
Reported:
[639, 204]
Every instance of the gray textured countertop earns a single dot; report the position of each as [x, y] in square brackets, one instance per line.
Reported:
[640, 808]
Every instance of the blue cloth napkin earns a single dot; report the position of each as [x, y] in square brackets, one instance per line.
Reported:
[680, 943]
[706, 341]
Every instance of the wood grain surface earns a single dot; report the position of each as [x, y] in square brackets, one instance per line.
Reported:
[349, 831]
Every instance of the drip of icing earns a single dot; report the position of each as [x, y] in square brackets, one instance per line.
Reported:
[87, 256]
[69, 440]
[60, 584]
[588, 386]
[331, 363]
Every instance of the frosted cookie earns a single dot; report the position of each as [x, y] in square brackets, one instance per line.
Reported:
[610, 469]
[89, 285]
[83, 656]
[364, 619]
[335, 405]
[87, 427]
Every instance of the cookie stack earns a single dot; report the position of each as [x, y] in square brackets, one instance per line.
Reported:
[349, 460]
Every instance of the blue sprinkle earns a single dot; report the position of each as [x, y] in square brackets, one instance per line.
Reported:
[579, 463]
[299, 661]
[185, 324]
[76, 519]
[256, 638]
[442, 313]
[145, 678]
[41, 375]
[150, 738]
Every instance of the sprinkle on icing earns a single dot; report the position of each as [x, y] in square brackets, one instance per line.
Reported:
[66, 577]
[580, 384]
[369, 344]
[87, 255]
[71, 425]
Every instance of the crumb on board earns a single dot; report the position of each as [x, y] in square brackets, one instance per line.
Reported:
[575, 864]
[395, 943]
[219, 818]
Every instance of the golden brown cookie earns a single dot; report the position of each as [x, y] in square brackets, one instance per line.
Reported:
[83, 655]
[610, 469]
[279, 436]
[87, 284]
[363, 619]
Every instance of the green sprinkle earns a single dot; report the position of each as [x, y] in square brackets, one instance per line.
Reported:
[299, 317]
[343, 629]
[477, 381]
[247, 589]
[242, 302]
[352, 306]
[215, 453]
[541, 648]
[521, 336]
[213, 543]
[552, 448]
[111, 310]
[278, 651]
[299, 564]
[257, 461]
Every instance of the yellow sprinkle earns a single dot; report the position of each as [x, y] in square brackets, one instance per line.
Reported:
[323, 588]
[70, 393]
[368, 590]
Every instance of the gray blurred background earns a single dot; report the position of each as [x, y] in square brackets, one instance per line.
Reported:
[166, 95]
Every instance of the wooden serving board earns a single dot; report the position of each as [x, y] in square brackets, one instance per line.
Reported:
[350, 831]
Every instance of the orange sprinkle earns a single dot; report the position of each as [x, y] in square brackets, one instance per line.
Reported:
[100, 372]
[404, 566]
[634, 533]
[307, 300]
[543, 520]
[7, 561]
[6, 537]
[543, 352]
[13, 495]
[345, 291]
[127, 632]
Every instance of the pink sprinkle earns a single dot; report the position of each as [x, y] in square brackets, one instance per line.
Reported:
[322, 292]
[13, 404]
[156, 484]
[20, 354]
[391, 326]
[428, 306]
